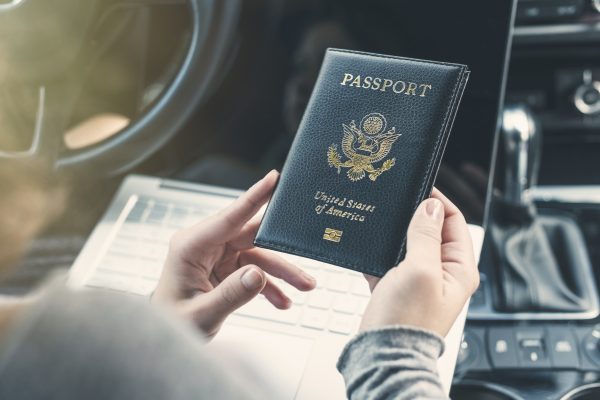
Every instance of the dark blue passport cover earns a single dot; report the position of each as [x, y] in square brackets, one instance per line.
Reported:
[366, 154]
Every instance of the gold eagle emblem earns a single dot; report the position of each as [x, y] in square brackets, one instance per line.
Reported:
[364, 147]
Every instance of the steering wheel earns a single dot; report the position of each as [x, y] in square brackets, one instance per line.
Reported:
[33, 51]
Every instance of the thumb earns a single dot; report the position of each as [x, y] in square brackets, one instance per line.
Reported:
[233, 292]
[424, 237]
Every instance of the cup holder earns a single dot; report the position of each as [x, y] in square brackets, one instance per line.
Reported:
[585, 392]
[481, 391]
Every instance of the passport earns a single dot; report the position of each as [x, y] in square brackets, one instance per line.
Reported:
[366, 154]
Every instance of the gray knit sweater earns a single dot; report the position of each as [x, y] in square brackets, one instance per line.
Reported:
[99, 345]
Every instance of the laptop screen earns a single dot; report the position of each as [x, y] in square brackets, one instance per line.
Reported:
[471, 32]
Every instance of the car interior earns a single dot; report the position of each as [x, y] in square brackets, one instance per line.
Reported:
[200, 94]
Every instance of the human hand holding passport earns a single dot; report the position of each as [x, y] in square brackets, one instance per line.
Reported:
[365, 156]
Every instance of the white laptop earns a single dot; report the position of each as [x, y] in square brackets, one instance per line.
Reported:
[299, 346]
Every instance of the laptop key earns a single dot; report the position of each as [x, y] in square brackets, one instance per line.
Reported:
[345, 303]
[339, 282]
[343, 323]
[109, 280]
[316, 319]
[320, 276]
[294, 294]
[360, 286]
[320, 298]
[262, 309]
[143, 287]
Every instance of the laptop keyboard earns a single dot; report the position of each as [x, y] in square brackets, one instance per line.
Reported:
[134, 254]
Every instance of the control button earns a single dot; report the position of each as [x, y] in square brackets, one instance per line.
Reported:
[567, 11]
[468, 352]
[591, 96]
[464, 352]
[591, 345]
[533, 353]
[531, 12]
[563, 348]
[502, 347]
[532, 348]
[472, 353]
[587, 96]
[542, 10]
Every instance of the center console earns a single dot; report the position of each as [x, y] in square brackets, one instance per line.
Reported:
[533, 330]
[536, 355]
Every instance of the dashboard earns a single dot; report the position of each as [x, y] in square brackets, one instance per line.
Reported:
[555, 69]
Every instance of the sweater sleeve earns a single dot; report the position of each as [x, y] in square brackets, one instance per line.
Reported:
[392, 363]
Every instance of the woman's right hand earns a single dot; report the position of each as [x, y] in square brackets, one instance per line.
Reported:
[438, 275]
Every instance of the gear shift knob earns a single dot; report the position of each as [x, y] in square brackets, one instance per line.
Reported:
[522, 148]
[531, 266]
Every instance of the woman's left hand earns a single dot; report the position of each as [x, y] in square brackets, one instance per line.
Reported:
[213, 268]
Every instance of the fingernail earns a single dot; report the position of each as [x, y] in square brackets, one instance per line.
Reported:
[262, 179]
[271, 172]
[433, 208]
[252, 279]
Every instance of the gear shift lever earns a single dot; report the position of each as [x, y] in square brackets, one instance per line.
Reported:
[522, 147]
[530, 275]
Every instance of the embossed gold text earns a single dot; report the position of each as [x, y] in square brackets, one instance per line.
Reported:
[397, 86]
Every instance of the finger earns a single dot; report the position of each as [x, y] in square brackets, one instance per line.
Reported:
[245, 239]
[228, 222]
[424, 236]
[248, 204]
[455, 229]
[277, 266]
[457, 247]
[449, 208]
[275, 295]
[233, 292]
